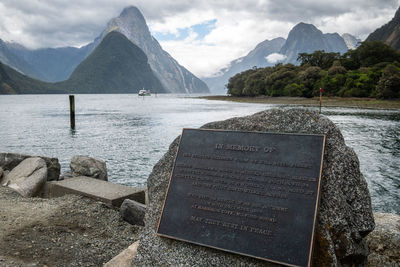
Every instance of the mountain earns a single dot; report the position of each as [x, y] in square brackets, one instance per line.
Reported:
[174, 77]
[306, 38]
[115, 66]
[351, 41]
[57, 64]
[388, 33]
[256, 57]
[303, 38]
[13, 82]
[8, 57]
[46, 64]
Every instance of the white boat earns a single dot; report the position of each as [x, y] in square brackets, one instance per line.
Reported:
[144, 92]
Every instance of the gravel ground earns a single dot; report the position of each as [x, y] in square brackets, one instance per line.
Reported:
[66, 231]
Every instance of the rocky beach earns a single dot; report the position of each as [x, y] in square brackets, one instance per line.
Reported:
[39, 231]
[71, 230]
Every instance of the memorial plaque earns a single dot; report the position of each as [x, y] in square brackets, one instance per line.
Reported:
[250, 193]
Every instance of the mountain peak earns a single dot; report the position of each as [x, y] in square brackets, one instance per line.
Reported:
[130, 20]
[174, 77]
[305, 27]
[306, 38]
[132, 12]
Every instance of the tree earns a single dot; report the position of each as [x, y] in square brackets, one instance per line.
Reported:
[318, 59]
[254, 84]
[235, 85]
[336, 68]
[310, 78]
[369, 54]
[389, 84]
[281, 76]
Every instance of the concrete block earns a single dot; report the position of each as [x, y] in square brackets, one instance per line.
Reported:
[107, 192]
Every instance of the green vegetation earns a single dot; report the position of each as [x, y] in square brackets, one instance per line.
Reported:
[371, 70]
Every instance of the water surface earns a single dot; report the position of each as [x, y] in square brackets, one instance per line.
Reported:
[132, 133]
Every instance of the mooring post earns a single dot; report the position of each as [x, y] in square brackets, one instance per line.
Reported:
[72, 111]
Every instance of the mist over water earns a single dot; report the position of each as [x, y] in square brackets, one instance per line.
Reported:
[132, 133]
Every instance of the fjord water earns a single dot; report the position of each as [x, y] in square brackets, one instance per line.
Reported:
[132, 133]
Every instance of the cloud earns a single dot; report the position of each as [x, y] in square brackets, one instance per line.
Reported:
[235, 26]
[275, 58]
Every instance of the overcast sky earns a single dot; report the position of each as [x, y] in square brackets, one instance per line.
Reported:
[202, 35]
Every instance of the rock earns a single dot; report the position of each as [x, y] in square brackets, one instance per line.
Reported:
[9, 161]
[133, 212]
[28, 177]
[1, 173]
[344, 217]
[124, 258]
[65, 175]
[384, 241]
[87, 166]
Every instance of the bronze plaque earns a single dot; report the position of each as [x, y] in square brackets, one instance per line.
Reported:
[250, 193]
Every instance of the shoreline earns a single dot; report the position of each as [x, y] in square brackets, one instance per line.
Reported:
[351, 102]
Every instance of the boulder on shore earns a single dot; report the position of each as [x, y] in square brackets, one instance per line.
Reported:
[9, 161]
[133, 212]
[1, 173]
[28, 177]
[344, 217]
[384, 241]
[90, 167]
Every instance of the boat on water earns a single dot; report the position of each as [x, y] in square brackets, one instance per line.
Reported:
[144, 92]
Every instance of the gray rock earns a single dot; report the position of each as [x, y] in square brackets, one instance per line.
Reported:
[28, 177]
[1, 173]
[9, 161]
[384, 241]
[87, 166]
[344, 217]
[133, 212]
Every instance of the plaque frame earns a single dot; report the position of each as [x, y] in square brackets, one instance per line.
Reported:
[317, 198]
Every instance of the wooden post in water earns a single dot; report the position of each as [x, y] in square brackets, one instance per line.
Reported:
[72, 111]
[320, 99]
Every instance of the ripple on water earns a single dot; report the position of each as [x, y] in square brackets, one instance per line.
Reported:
[131, 134]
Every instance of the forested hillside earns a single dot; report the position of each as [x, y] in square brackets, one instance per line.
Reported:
[371, 70]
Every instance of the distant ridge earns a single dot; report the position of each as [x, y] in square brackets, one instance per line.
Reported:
[115, 66]
[388, 33]
[13, 82]
[303, 38]
[256, 57]
[46, 64]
